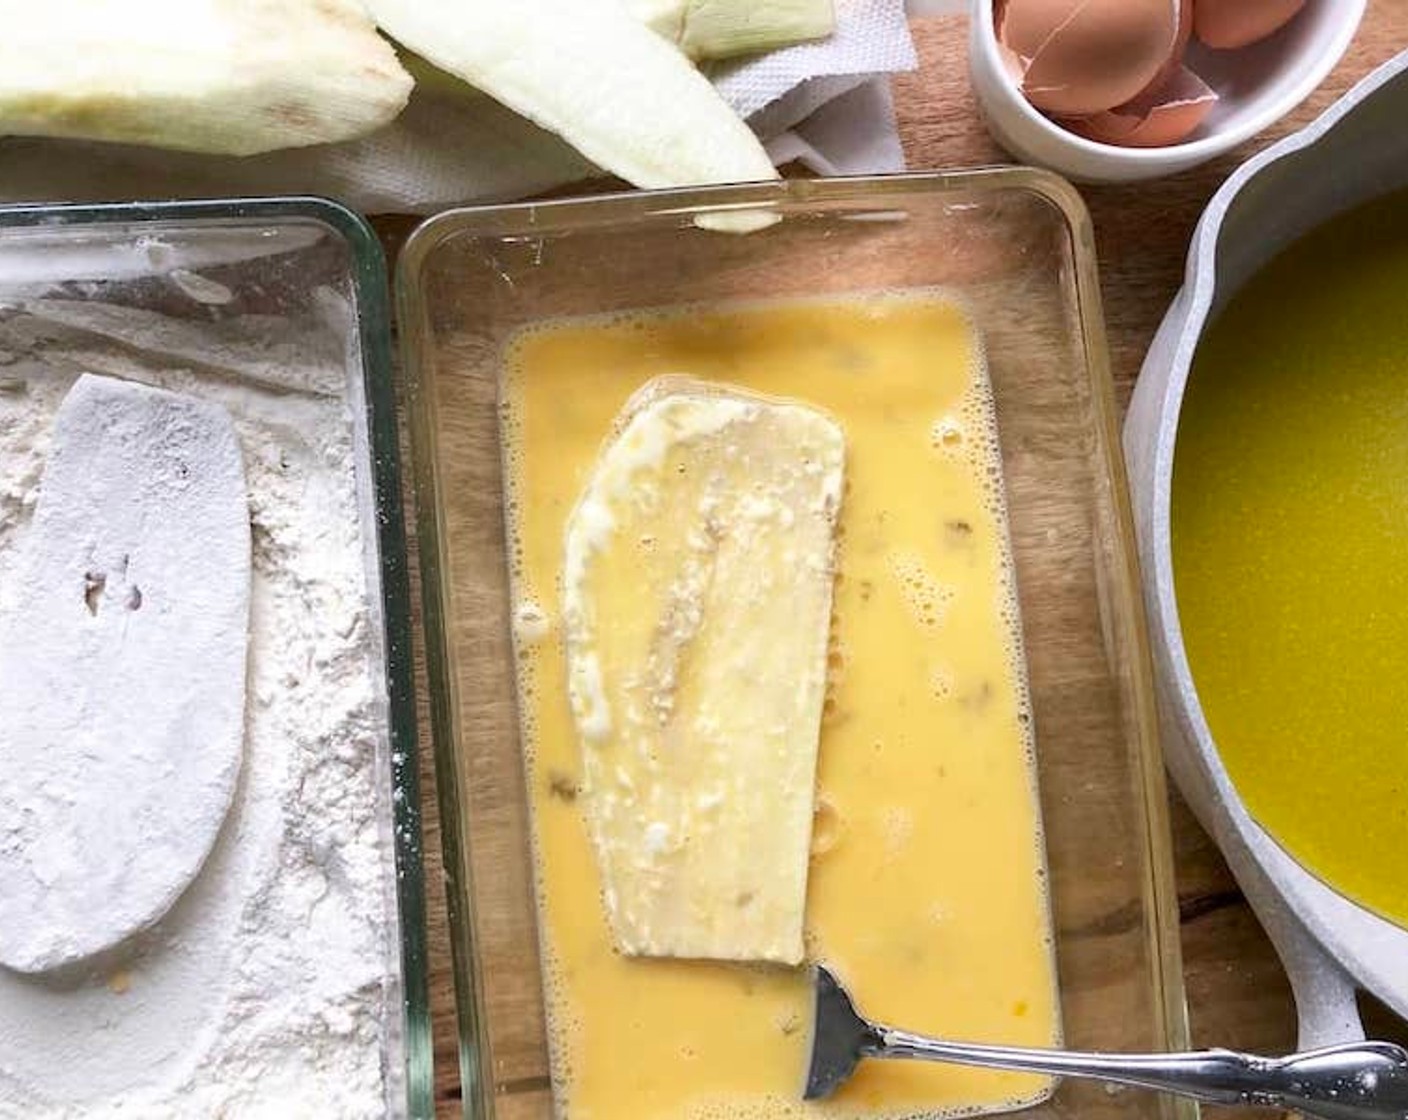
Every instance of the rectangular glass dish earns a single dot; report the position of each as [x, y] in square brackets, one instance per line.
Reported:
[1014, 248]
[278, 310]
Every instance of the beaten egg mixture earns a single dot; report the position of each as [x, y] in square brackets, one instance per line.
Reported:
[926, 888]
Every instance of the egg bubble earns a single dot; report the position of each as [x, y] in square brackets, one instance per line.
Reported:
[926, 596]
[947, 435]
[941, 682]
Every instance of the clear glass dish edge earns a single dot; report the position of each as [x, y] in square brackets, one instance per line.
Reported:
[369, 279]
[586, 211]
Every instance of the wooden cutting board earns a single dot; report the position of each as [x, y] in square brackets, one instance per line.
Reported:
[1237, 993]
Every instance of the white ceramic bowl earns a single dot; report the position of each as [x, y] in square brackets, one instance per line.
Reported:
[1356, 151]
[1256, 86]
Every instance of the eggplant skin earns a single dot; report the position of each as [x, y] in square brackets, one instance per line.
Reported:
[590, 72]
[714, 29]
[224, 77]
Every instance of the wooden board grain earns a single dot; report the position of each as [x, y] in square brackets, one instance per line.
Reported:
[1237, 993]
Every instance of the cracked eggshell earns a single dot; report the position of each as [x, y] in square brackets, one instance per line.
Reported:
[1279, 75]
[1158, 118]
[1082, 57]
[1228, 24]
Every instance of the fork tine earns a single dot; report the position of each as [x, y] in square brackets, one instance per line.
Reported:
[839, 1036]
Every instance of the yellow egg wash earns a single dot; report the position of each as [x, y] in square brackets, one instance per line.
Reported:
[1290, 536]
[926, 890]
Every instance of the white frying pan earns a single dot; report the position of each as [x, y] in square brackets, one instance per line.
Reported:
[1357, 150]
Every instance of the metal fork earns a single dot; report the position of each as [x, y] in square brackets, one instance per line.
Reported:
[1356, 1081]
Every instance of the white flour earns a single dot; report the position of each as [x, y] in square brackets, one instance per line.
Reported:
[269, 989]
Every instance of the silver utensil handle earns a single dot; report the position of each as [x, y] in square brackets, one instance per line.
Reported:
[1355, 1081]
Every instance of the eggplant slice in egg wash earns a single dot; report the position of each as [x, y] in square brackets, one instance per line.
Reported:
[697, 600]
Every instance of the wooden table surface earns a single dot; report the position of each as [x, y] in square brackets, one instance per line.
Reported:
[1237, 993]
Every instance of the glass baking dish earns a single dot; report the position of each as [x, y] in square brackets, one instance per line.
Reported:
[1015, 246]
[210, 273]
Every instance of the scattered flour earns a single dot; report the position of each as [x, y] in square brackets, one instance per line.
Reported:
[270, 989]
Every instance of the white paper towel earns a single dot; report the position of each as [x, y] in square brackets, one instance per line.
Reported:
[853, 134]
[871, 37]
[454, 146]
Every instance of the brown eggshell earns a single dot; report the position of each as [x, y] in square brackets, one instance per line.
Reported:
[1183, 33]
[1228, 24]
[1157, 119]
[1023, 32]
[1087, 56]
[1012, 62]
